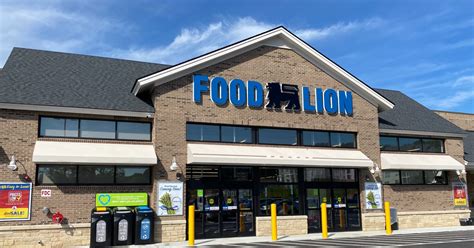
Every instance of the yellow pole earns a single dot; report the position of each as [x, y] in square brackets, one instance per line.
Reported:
[191, 225]
[388, 226]
[274, 221]
[324, 220]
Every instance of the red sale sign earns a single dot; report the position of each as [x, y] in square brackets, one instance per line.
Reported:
[15, 201]
[459, 194]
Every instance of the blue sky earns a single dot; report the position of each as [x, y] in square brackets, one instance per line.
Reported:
[423, 48]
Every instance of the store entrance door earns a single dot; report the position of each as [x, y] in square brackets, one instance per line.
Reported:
[222, 212]
[343, 208]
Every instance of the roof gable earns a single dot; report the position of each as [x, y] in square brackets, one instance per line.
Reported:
[279, 37]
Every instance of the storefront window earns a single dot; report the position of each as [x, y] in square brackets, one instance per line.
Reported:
[96, 175]
[133, 130]
[97, 129]
[202, 132]
[236, 134]
[344, 140]
[277, 136]
[236, 173]
[410, 144]
[317, 175]
[412, 177]
[132, 175]
[56, 174]
[388, 143]
[285, 196]
[344, 175]
[58, 127]
[391, 177]
[92, 175]
[435, 177]
[278, 175]
[314, 138]
[433, 145]
[204, 173]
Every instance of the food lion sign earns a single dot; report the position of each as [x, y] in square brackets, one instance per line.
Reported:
[278, 96]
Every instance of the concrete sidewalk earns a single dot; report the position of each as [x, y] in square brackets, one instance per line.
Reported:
[312, 236]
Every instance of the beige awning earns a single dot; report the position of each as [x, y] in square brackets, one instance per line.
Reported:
[403, 161]
[49, 152]
[275, 156]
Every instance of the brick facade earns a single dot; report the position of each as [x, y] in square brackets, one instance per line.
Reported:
[174, 108]
[462, 120]
[466, 122]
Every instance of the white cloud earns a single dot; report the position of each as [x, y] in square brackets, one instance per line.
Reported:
[338, 28]
[192, 42]
[455, 100]
[465, 80]
[49, 25]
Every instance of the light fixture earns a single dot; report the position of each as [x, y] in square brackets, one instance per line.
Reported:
[463, 172]
[12, 165]
[174, 166]
[374, 169]
[458, 172]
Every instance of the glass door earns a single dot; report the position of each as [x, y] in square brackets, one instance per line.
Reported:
[353, 209]
[211, 213]
[314, 198]
[339, 212]
[313, 210]
[246, 223]
[229, 213]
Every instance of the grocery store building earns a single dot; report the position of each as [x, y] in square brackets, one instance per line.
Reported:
[268, 119]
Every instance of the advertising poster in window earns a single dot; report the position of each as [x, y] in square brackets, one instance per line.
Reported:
[373, 196]
[459, 194]
[170, 198]
[15, 201]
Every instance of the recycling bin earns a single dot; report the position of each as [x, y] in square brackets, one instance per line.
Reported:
[144, 225]
[124, 219]
[101, 227]
[393, 219]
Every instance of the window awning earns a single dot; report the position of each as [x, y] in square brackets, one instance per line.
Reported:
[402, 161]
[275, 156]
[48, 152]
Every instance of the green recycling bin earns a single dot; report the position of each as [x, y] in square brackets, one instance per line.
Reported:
[101, 227]
[124, 220]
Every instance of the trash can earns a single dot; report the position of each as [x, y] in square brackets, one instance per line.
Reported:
[144, 225]
[101, 227]
[124, 219]
[393, 218]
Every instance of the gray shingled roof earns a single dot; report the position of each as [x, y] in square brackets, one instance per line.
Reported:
[409, 115]
[469, 148]
[71, 80]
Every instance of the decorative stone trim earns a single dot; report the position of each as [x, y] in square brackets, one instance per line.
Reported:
[286, 217]
[170, 222]
[43, 227]
[286, 225]
[463, 211]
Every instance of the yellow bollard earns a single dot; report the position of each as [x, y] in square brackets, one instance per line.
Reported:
[191, 225]
[324, 220]
[274, 221]
[388, 225]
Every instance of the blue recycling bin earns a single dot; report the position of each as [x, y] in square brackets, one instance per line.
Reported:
[144, 223]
